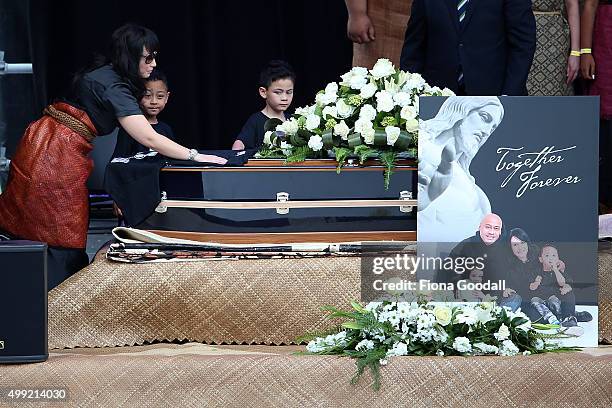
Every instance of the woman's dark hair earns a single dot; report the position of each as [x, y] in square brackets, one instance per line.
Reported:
[127, 44]
[520, 234]
[275, 70]
[532, 250]
[125, 51]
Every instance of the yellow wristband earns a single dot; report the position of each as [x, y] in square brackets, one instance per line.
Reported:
[575, 53]
[585, 51]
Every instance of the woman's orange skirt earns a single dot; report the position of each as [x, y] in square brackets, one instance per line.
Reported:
[46, 197]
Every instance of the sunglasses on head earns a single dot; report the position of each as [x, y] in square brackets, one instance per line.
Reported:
[149, 58]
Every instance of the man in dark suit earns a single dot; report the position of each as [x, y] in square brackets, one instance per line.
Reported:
[473, 47]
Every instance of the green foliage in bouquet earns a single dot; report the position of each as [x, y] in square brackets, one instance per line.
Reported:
[380, 330]
[369, 114]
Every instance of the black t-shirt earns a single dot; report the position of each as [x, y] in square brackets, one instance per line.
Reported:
[105, 97]
[127, 146]
[252, 132]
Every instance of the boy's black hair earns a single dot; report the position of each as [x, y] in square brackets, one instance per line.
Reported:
[158, 75]
[275, 70]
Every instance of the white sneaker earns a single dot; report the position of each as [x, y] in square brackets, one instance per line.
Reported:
[574, 331]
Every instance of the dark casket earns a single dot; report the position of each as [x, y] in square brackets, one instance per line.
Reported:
[269, 201]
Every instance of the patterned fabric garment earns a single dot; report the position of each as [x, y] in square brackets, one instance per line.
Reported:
[389, 18]
[548, 72]
[46, 196]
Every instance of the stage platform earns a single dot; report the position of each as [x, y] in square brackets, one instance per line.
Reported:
[197, 375]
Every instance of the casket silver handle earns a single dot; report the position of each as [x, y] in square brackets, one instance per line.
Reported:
[161, 207]
[405, 196]
[282, 197]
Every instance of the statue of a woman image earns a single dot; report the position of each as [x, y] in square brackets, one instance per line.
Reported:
[451, 204]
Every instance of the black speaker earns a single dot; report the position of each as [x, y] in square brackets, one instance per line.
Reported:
[23, 302]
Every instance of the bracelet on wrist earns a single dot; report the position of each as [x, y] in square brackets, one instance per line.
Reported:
[192, 154]
[585, 51]
[574, 53]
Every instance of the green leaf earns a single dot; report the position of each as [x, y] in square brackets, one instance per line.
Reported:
[328, 139]
[300, 138]
[364, 152]
[299, 154]
[341, 154]
[388, 158]
[352, 325]
[357, 306]
[380, 137]
[403, 141]
[354, 140]
[271, 124]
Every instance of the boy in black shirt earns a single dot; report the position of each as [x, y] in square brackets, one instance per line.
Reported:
[152, 103]
[555, 300]
[276, 88]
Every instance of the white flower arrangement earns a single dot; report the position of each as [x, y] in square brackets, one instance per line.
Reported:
[375, 333]
[370, 114]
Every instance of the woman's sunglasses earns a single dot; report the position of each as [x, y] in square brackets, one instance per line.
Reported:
[149, 58]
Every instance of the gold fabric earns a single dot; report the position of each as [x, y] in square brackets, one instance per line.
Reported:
[389, 18]
[267, 301]
[193, 375]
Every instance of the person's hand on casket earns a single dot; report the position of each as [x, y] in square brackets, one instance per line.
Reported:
[209, 158]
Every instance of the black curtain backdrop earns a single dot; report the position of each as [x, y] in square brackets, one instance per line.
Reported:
[212, 52]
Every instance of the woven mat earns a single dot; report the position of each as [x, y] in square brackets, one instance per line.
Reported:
[248, 301]
[197, 375]
[271, 301]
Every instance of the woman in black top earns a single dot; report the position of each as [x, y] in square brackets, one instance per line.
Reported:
[46, 198]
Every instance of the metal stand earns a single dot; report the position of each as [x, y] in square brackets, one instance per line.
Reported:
[6, 69]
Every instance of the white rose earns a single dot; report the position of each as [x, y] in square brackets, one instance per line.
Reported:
[328, 98]
[393, 133]
[384, 101]
[408, 112]
[344, 110]
[368, 112]
[323, 99]
[415, 81]
[342, 130]
[443, 315]
[402, 99]
[312, 122]
[315, 143]
[346, 78]
[357, 82]
[368, 135]
[302, 111]
[331, 88]
[290, 126]
[435, 90]
[382, 68]
[331, 111]
[412, 125]
[447, 92]
[267, 138]
[368, 90]
[359, 71]
[361, 124]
